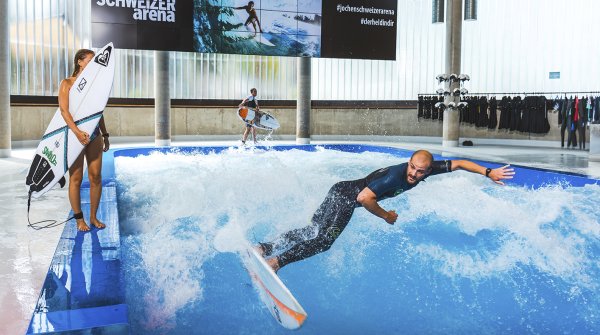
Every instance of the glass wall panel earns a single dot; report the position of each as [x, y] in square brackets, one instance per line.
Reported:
[506, 50]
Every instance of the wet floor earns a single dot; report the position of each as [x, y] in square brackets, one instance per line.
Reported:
[27, 253]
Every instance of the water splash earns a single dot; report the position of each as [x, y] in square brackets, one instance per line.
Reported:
[463, 247]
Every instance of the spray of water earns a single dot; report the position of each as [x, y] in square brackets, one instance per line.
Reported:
[178, 211]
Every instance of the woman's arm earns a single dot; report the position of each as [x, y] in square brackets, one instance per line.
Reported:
[63, 104]
[102, 126]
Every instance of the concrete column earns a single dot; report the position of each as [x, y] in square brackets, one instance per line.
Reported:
[162, 99]
[5, 132]
[594, 155]
[450, 127]
[303, 102]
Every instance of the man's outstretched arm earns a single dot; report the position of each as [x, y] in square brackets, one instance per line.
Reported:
[368, 200]
[497, 174]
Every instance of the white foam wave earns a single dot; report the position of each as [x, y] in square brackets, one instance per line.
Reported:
[547, 228]
[224, 199]
[186, 208]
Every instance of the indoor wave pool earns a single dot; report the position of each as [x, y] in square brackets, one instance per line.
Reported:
[466, 256]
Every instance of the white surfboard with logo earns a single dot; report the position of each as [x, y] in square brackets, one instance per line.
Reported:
[274, 294]
[59, 147]
[266, 121]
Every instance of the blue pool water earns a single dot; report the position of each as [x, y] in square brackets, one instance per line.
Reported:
[465, 257]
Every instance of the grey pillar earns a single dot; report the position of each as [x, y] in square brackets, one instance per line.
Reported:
[5, 133]
[303, 103]
[162, 99]
[450, 128]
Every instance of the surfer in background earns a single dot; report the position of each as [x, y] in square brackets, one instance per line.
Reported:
[252, 102]
[336, 210]
[252, 17]
[94, 145]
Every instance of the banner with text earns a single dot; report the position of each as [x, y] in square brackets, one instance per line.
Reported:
[363, 29]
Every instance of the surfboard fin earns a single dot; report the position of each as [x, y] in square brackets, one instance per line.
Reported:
[62, 182]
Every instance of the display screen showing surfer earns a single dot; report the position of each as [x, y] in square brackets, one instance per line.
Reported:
[274, 27]
[361, 29]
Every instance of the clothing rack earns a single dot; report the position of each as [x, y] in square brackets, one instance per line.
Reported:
[520, 93]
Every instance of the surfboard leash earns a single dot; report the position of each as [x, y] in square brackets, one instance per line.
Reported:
[39, 225]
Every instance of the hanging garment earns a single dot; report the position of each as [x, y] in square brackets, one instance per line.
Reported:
[505, 112]
[493, 113]
[572, 124]
[441, 113]
[563, 120]
[427, 108]
[527, 107]
[482, 118]
[545, 122]
[582, 121]
[558, 108]
[515, 117]
[590, 107]
[576, 112]
[597, 110]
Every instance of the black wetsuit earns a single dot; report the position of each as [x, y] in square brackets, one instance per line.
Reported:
[335, 211]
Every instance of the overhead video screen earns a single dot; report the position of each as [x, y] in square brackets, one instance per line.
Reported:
[310, 28]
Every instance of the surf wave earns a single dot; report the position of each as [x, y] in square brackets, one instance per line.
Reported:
[491, 259]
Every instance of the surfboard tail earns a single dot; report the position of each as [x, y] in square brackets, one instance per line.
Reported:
[40, 174]
[272, 292]
[285, 315]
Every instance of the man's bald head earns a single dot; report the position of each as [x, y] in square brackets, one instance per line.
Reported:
[419, 166]
[422, 158]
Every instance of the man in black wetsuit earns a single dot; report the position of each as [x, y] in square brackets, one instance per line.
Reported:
[252, 102]
[335, 211]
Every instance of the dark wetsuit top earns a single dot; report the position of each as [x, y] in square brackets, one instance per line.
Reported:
[391, 181]
[336, 210]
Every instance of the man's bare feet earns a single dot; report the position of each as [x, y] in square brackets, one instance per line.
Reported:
[273, 263]
[81, 225]
[97, 223]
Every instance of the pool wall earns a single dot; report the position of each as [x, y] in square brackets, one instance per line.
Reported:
[83, 289]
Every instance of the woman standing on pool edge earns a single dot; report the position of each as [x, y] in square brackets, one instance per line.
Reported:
[92, 151]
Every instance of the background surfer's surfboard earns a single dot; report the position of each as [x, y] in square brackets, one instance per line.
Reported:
[59, 147]
[241, 16]
[267, 121]
[259, 37]
[281, 303]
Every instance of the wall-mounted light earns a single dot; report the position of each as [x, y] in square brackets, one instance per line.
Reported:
[437, 11]
[470, 10]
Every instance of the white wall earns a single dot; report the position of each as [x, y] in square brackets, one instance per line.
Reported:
[512, 47]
